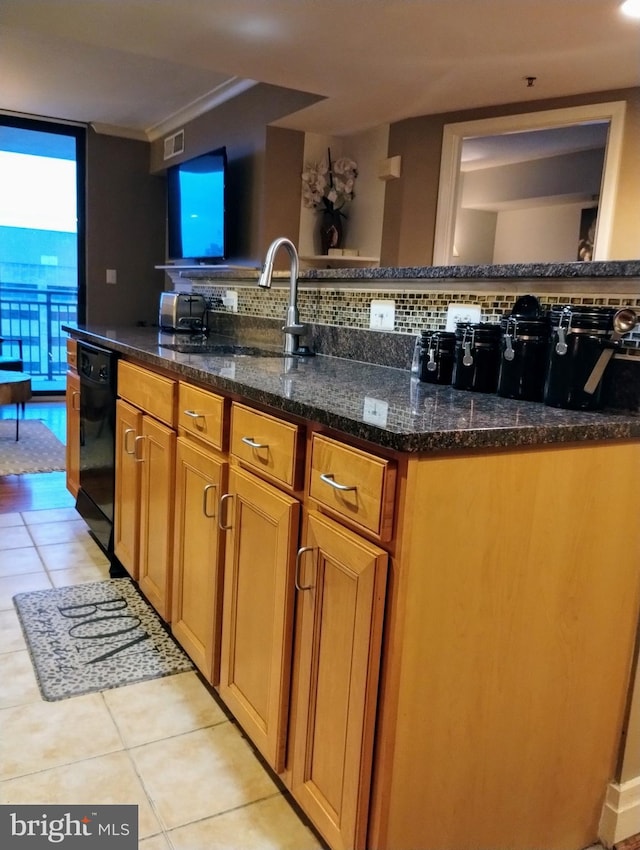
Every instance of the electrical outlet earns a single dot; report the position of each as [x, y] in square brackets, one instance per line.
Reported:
[375, 411]
[382, 315]
[112, 276]
[230, 300]
[461, 313]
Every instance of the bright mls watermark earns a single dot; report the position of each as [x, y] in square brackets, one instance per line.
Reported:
[81, 827]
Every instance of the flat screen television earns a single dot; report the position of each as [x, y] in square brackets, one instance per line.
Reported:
[197, 208]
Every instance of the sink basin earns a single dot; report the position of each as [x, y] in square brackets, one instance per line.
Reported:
[200, 347]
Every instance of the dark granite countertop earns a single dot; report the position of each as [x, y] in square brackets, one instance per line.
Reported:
[513, 271]
[601, 269]
[379, 404]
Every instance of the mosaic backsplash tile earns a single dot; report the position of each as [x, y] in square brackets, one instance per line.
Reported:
[414, 310]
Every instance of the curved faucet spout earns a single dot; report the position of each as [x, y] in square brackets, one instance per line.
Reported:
[292, 329]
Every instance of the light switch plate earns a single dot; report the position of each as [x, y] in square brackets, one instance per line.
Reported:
[461, 313]
[382, 316]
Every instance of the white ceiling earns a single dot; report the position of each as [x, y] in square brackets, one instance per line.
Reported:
[143, 67]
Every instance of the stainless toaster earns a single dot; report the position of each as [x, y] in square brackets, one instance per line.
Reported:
[182, 311]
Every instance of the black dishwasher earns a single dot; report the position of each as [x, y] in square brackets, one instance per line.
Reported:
[97, 368]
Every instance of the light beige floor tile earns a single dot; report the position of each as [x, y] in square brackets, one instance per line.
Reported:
[48, 533]
[18, 684]
[182, 704]
[10, 585]
[41, 735]
[104, 780]
[15, 561]
[156, 842]
[15, 537]
[11, 634]
[60, 556]
[51, 515]
[222, 772]
[81, 574]
[268, 825]
[10, 519]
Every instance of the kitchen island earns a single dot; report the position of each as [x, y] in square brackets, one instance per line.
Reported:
[448, 632]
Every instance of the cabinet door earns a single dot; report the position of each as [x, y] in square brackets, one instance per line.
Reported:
[197, 559]
[73, 433]
[341, 592]
[126, 519]
[156, 513]
[257, 620]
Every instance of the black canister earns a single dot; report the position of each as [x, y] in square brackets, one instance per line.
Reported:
[477, 357]
[578, 336]
[524, 352]
[436, 359]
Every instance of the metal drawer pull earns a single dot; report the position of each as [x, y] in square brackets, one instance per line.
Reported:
[249, 441]
[136, 457]
[128, 450]
[75, 395]
[205, 491]
[193, 414]
[328, 479]
[299, 555]
[222, 500]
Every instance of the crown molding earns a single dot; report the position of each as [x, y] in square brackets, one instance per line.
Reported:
[226, 91]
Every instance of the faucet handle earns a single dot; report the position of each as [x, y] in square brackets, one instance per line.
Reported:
[294, 328]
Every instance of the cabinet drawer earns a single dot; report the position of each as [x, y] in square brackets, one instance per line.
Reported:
[150, 392]
[201, 413]
[355, 484]
[72, 354]
[265, 444]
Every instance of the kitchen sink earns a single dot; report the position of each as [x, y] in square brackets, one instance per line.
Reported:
[202, 347]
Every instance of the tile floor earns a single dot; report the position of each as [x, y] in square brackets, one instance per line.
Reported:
[164, 744]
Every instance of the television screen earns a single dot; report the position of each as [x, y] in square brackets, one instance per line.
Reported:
[196, 208]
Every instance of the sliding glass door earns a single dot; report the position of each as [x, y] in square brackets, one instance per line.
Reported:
[42, 265]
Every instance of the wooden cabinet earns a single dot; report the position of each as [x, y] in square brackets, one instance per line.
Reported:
[353, 485]
[73, 432]
[145, 478]
[512, 630]
[341, 582]
[261, 525]
[126, 525]
[201, 478]
[158, 460]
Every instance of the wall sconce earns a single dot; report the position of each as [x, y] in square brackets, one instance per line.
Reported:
[390, 168]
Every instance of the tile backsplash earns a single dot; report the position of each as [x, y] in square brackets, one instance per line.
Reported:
[415, 309]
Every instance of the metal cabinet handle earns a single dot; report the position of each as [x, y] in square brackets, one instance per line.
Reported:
[296, 579]
[193, 414]
[328, 479]
[205, 492]
[75, 395]
[128, 450]
[223, 498]
[249, 441]
[137, 457]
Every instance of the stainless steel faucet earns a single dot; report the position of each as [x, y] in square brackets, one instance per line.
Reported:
[292, 329]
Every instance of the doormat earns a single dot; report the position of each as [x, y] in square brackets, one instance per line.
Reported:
[93, 637]
[37, 449]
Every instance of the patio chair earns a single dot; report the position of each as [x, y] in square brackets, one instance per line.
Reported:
[13, 362]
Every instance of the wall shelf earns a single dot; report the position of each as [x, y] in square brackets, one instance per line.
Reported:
[346, 262]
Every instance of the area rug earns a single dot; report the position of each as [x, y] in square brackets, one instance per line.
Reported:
[37, 450]
[93, 637]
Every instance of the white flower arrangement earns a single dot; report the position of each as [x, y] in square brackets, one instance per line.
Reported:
[329, 185]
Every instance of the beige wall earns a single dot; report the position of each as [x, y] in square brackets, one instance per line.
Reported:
[125, 231]
[411, 201]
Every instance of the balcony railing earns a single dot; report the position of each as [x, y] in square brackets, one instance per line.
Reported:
[36, 316]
